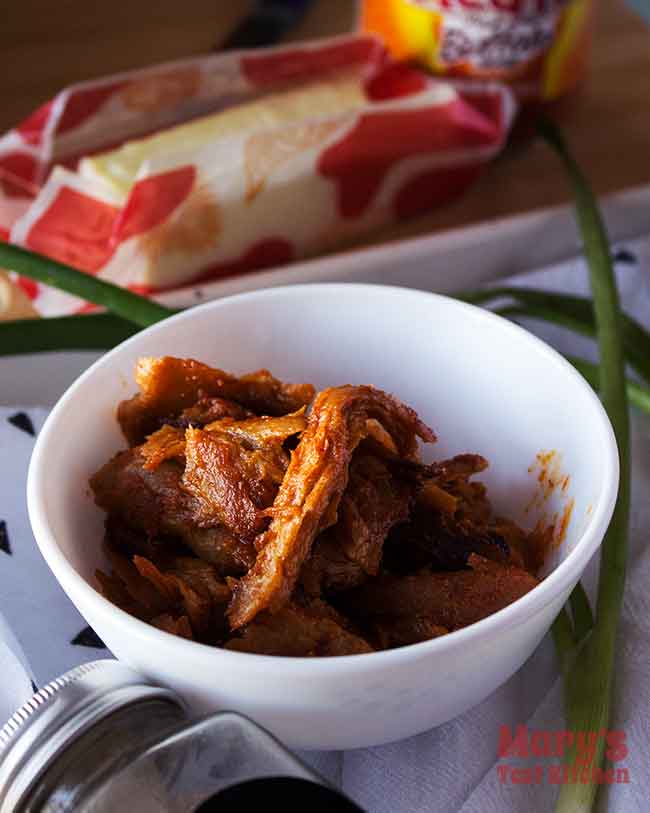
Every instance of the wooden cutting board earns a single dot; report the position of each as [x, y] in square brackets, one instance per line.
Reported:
[49, 45]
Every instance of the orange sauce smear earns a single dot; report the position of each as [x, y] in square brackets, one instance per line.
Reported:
[549, 534]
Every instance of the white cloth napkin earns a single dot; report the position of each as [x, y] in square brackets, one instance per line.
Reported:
[17, 685]
[452, 769]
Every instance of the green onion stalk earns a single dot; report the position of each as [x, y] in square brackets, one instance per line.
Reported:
[575, 313]
[589, 669]
[100, 331]
[123, 303]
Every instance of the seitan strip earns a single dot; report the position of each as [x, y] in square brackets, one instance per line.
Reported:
[169, 385]
[155, 503]
[394, 632]
[308, 499]
[450, 600]
[375, 500]
[294, 631]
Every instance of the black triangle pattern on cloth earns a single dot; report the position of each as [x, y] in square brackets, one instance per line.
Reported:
[625, 257]
[34, 687]
[5, 546]
[21, 420]
[88, 637]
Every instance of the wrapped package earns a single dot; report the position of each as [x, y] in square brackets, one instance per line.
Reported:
[540, 47]
[223, 164]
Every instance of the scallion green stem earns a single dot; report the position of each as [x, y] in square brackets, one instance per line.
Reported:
[545, 314]
[638, 395]
[583, 617]
[121, 302]
[590, 676]
[570, 630]
[575, 313]
[100, 331]
[564, 639]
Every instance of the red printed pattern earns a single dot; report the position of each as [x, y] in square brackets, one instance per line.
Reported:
[82, 104]
[394, 81]
[152, 201]
[359, 163]
[75, 229]
[307, 63]
[85, 232]
[21, 164]
[29, 286]
[268, 253]
[31, 129]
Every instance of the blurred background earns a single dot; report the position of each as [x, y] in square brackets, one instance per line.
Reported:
[46, 46]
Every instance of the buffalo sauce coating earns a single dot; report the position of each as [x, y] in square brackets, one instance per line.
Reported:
[309, 496]
[168, 385]
[265, 517]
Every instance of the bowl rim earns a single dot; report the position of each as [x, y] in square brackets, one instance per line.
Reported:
[561, 578]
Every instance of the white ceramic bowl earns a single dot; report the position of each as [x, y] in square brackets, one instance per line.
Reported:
[483, 384]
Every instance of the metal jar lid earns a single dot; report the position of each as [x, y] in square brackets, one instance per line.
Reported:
[57, 714]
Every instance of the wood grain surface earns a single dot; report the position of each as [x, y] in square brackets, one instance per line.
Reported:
[48, 45]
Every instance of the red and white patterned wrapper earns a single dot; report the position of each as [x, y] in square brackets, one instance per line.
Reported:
[253, 199]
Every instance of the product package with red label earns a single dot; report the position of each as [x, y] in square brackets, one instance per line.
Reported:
[539, 47]
[218, 165]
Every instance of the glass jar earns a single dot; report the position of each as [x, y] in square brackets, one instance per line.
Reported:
[102, 739]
